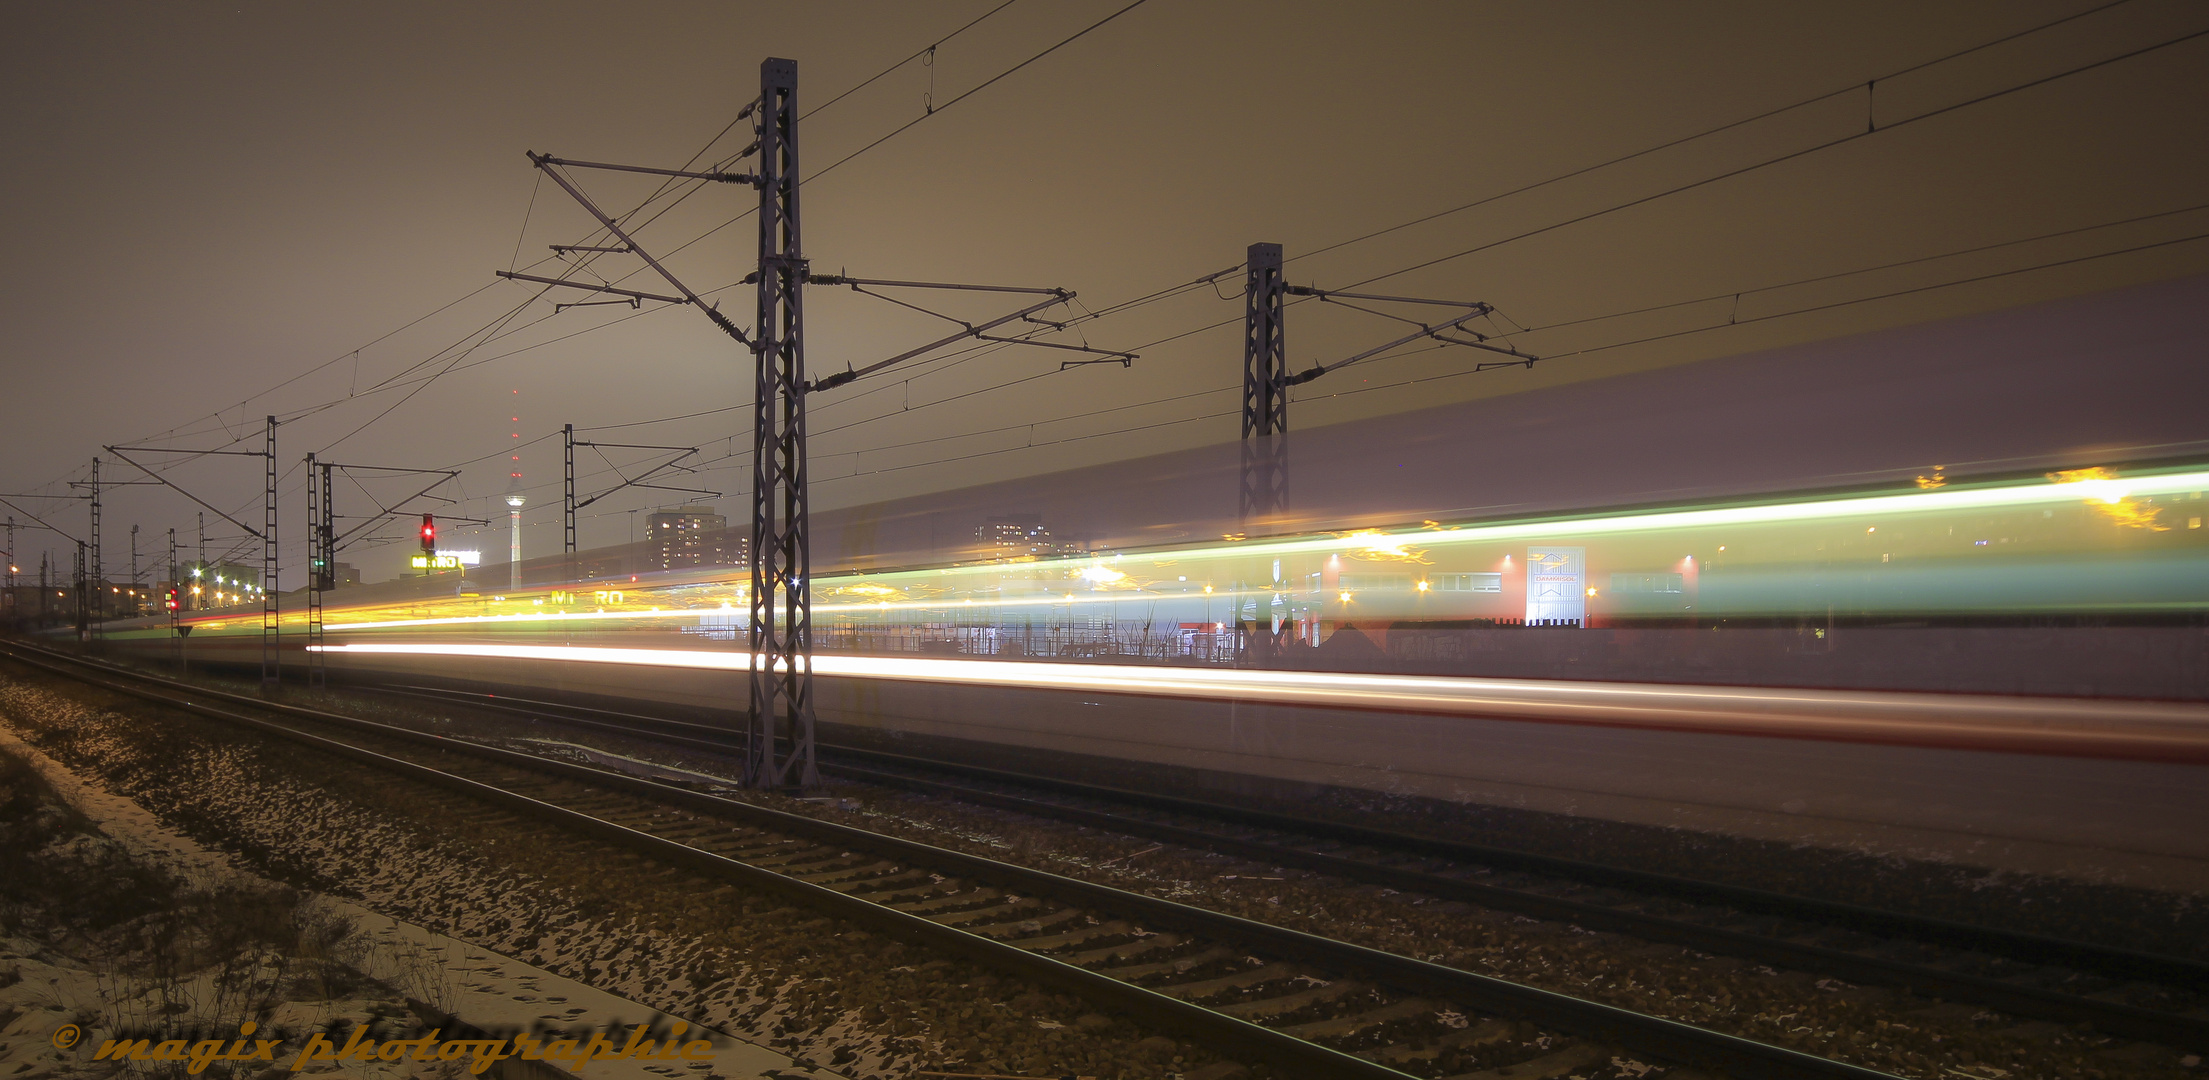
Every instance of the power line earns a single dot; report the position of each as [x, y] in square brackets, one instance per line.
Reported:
[2050, 264]
[940, 42]
[1865, 270]
[991, 81]
[1017, 449]
[1175, 290]
[972, 352]
[390, 381]
[1784, 314]
[355, 352]
[697, 185]
[1786, 157]
[936, 111]
[1708, 132]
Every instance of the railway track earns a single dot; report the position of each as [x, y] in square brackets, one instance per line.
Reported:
[2022, 974]
[1309, 1005]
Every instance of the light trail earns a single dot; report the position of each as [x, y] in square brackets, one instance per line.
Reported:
[1039, 600]
[2015, 495]
[2085, 542]
[2155, 731]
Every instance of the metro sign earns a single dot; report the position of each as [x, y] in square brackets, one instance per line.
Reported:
[446, 560]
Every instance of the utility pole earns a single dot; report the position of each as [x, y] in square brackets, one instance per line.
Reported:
[324, 542]
[1265, 441]
[271, 672]
[320, 570]
[1266, 377]
[92, 587]
[84, 614]
[46, 568]
[202, 550]
[1266, 381]
[567, 543]
[781, 657]
[266, 534]
[1265, 393]
[176, 586]
[134, 563]
[627, 481]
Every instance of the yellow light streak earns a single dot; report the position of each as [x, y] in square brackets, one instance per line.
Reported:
[2110, 496]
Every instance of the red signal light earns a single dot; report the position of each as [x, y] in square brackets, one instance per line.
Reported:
[429, 534]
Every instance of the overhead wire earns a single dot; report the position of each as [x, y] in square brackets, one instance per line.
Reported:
[939, 43]
[1199, 282]
[699, 184]
[1767, 114]
[986, 84]
[513, 262]
[969, 352]
[925, 116]
[1919, 260]
[695, 186]
[1732, 322]
[354, 353]
[1916, 67]
[1676, 190]
[1979, 249]
[1783, 158]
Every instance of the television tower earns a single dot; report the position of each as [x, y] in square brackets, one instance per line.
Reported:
[514, 501]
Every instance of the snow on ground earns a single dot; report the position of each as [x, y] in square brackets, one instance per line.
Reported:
[488, 990]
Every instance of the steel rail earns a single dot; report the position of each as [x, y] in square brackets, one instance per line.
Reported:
[2017, 945]
[2111, 1017]
[1858, 968]
[1637, 1032]
[1171, 1013]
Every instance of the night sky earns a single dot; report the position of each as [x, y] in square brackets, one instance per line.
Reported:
[218, 212]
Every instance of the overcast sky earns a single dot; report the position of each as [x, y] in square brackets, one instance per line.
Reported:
[219, 212]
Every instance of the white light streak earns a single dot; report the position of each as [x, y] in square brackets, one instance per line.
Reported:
[2095, 726]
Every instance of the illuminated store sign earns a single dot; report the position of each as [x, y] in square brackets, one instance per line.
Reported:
[446, 560]
[1556, 584]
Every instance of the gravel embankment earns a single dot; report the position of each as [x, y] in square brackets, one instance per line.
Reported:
[869, 1007]
[865, 1006]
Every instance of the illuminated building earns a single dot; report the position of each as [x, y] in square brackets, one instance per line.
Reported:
[1014, 536]
[688, 536]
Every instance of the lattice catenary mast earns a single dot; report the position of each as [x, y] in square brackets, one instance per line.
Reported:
[781, 639]
[1264, 488]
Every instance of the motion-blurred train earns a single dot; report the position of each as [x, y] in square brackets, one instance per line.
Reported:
[1998, 484]
[1771, 594]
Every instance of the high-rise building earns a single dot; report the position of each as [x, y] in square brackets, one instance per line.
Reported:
[686, 536]
[1014, 536]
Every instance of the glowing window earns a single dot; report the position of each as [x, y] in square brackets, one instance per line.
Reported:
[1647, 584]
[1488, 583]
